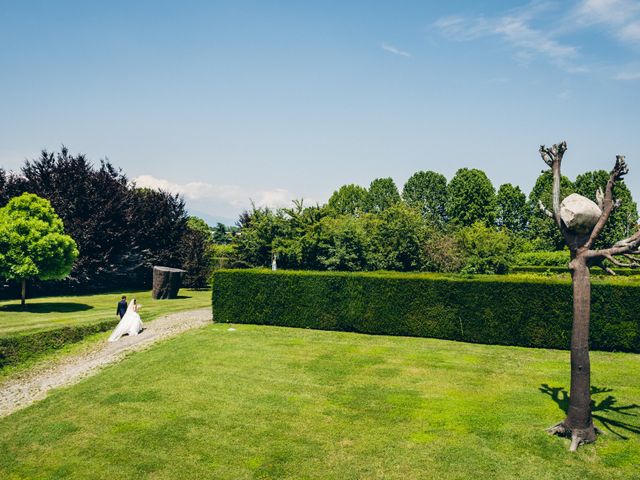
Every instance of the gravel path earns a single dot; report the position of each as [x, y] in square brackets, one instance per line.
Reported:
[34, 384]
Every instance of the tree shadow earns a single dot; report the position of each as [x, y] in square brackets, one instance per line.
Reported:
[608, 405]
[46, 307]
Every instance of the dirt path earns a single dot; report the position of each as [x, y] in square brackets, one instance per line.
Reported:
[34, 384]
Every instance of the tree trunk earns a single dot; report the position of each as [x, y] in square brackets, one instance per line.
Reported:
[23, 296]
[579, 425]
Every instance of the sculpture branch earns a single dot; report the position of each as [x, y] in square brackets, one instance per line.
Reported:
[544, 210]
[618, 263]
[627, 246]
[553, 157]
[600, 198]
[620, 169]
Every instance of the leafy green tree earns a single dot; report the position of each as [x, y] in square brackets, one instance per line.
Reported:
[470, 198]
[487, 250]
[221, 234]
[196, 252]
[623, 219]
[540, 226]
[427, 192]
[258, 234]
[32, 242]
[442, 251]
[348, 200]
[397, 239]
[383, 194]
[511, 208]
[346, 243]
[299, 246]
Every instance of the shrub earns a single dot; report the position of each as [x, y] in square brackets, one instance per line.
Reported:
[558, 258]
[530, 311]
[16, 349]
[487, 250]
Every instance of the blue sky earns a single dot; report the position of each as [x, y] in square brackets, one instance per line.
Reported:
[226, 101]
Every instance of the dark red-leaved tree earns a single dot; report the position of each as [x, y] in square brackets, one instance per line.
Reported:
[581, 221]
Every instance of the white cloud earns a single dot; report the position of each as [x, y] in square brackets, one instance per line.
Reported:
[628, 76]
[564, 95]
[621, 18]
[515, 29]
[232, 195]
[606, 11]
[396, 51]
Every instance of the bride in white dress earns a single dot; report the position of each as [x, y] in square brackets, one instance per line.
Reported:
[129, 324]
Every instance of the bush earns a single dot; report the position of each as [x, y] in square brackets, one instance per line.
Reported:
[529, 311]
[558, 258]
[16, 349]
[487, 250]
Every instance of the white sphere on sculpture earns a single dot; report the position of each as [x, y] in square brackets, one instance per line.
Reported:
[579, 214]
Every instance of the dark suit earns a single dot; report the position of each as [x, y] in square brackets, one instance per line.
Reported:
[122, 308]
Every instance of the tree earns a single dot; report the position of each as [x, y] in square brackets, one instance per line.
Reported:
[221, 234]
[345, 243]
[348, 200]
[540, 226]
[32, 242]
[581, 222]
[196, 253]
[443, 252]
[120, 231]
[623, 219]
[383, 194]
[259, 229]
[427, 192]
[160, 222]
[397, 239]
[470, 198]
[486, 249]
[511, 208]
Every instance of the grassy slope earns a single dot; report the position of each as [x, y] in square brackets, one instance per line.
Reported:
[52, 312]
[270, 402]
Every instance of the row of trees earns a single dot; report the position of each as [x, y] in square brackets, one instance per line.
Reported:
[121, 231]
[434, 225]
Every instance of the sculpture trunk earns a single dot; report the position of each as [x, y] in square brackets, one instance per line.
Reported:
[579, 421]
[23, 296]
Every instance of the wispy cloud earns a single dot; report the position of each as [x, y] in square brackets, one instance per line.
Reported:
[232, 195]
[396, 51]
[621, 18]
[627, 76]
[516, 28]
[564, 95]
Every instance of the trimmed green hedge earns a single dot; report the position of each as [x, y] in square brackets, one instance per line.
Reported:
[541, 269]
[16, 349]
[528, 311]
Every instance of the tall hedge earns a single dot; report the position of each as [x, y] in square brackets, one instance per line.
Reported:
[504, 310]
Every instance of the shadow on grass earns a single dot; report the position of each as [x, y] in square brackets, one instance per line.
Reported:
[47, 307]
[607, 405]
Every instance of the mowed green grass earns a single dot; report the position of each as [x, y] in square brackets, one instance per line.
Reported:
[272, 402]
[51, 312]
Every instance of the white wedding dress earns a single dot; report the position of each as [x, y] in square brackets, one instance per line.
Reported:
[130, 323]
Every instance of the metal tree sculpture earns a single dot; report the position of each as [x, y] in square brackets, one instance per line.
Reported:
[581, 221]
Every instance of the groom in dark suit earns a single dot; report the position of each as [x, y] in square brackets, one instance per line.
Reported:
[122, 307]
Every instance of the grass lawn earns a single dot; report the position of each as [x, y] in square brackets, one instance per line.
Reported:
[272, 402]
[52, 312]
